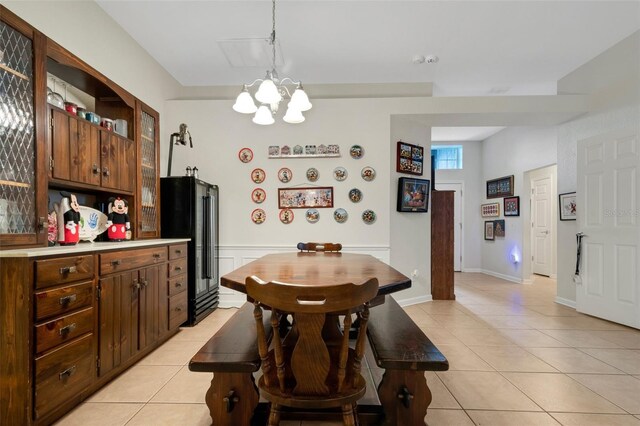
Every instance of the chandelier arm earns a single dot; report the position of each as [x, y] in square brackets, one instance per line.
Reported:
[290, 81]
[257, 80]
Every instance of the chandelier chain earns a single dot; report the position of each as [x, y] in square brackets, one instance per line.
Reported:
[273, 32]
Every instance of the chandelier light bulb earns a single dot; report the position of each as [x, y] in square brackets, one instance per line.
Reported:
[293, 115]
[263, 116]
[300, 100]
[268, 93]
[244, 103]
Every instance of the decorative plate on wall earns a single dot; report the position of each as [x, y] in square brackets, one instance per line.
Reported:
[356, 151]
[258, 195]
[312, 215]
[286, 216]
[258, 175]
[368, 174]
[340, 174]
[245, 155]
[312, 174]
[368, 216]
[258, 216]
[340, 215]
[355, 195]
[285, 175]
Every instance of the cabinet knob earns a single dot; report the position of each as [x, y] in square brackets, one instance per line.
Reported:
[105, 172]
[95, 169]
[135, 284]
[145, 283]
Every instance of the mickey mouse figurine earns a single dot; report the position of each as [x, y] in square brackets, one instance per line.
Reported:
[118, 219]
[68, 212]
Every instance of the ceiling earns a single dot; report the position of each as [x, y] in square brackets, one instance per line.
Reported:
[484, 48]
[462, 134]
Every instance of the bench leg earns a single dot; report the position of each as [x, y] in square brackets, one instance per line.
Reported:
[232, 399]
[405, 397]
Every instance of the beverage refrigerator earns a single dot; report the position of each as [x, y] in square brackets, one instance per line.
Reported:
[190, 210]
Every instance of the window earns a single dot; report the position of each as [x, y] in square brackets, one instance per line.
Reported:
[447, 156]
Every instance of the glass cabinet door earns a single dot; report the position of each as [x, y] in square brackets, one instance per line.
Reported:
[149, 208]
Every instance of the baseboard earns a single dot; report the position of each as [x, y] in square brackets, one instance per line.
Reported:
[566, 302]
[527, 281]
[517, 280]
[474, 270]
[553, 276]
[414, 300]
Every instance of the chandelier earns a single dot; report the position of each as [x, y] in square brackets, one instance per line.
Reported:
[271, 91]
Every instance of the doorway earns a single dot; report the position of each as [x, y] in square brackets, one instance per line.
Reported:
[458, 227]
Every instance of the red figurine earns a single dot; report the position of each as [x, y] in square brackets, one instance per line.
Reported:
[118, 219]
[68, 212]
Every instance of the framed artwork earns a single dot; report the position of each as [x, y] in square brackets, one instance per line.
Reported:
[511, 206]
[409, 159]
[498, 228]
[490, 210]
[413, 195]
[501, 187]
[567, 205]
[488, 230]
[305, 198]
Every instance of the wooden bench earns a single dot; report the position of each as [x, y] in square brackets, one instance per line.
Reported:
[402, 349]
[232, 356]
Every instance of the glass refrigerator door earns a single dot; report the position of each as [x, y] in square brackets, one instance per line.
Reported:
[213, 238]
[200, 240]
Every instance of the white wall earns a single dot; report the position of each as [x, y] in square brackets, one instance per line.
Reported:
[471, 176]
[512, 151]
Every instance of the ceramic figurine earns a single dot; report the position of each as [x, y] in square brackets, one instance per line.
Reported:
[68, 215]
[118, 219]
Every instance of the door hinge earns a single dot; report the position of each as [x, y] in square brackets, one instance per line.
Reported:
[51, 163]
[98, 365]
[51, 122]
[98, 293]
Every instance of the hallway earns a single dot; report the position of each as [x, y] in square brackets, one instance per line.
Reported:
[516, 357]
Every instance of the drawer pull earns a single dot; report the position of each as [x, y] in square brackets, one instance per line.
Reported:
[178, 308]
[64, 331]
[156, 255]
[67, 373]
[116, 262]
[178, 268]
[178, 251]
[67, 300]
[68, 270]
[178, 284]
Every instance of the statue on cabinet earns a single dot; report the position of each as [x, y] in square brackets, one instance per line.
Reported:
[68, 218]
[118, 219]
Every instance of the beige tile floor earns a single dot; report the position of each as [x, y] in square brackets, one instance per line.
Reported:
[516, 357]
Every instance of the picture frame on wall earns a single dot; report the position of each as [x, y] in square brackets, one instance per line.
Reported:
[488, 230]
[501, 187]
[511, 206]
[413, 195]
[409, 159]
[567, 205]
[305, 198]
[498, 228]
[490, 210]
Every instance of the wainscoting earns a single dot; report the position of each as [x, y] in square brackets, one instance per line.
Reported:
[233, 257]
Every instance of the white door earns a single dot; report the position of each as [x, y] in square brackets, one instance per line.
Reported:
[607, 213]
[541, 202]
[457, 220]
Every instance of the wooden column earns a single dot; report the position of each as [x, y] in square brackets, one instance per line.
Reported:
[442, 245]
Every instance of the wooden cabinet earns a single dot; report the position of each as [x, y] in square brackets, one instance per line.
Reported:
[177, 288]
[442, 251]
[148, 179]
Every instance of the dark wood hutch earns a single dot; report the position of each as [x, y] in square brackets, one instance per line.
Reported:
[75, 318]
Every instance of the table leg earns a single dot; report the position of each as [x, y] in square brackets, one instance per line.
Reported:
[232, 399]
[405, 397]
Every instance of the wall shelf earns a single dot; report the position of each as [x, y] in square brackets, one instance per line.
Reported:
[13, 183]
[14, 72]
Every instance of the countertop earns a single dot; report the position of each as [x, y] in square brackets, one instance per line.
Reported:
[86, 247]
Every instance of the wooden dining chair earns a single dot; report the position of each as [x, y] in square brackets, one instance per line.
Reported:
[330, 247]
[313, 366]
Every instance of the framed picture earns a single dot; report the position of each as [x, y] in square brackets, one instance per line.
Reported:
[501, 187]
[490, 210]
[567, 205]
[413, 195]
[305, 198]
[409, 159]
[511, 206]
[488, 230]
[498, 228]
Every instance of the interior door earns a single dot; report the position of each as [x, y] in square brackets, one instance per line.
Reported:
[541, 224]
[457, 220]
[607, 199]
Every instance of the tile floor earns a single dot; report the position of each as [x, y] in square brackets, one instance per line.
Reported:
[516, 357]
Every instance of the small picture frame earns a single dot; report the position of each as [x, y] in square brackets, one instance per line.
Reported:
[501, 187]
[498, 228]
[413, 195]
[409, 159]
[490, 210]
[305, 198]
[567, 205]
[511, 206]
[488, 230]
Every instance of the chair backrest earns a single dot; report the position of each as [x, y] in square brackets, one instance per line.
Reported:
[332, 247]
[302, 364]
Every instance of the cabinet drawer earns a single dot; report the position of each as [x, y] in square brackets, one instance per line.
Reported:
[177, 284]
[131, 259]
[177, 251]
[177, 267]
[177, 310]
[63, 270]
[64, 299]
[63, 373]
[63, 329]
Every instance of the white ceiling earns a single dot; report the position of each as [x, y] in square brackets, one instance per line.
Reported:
[462, 134]
[502, 47]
